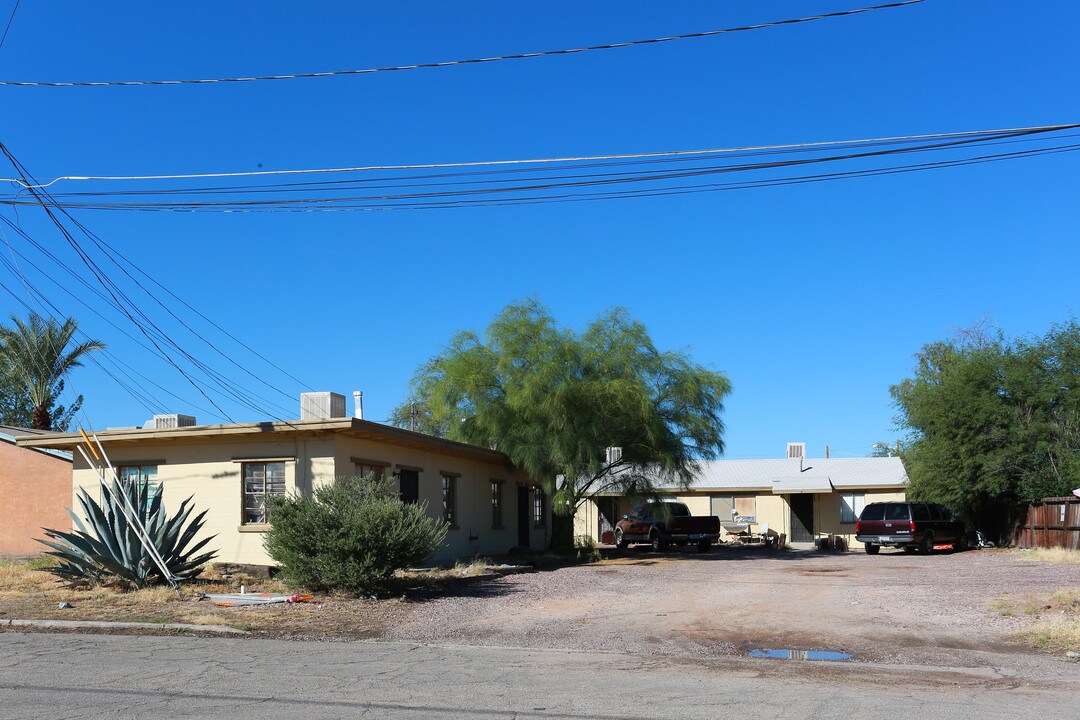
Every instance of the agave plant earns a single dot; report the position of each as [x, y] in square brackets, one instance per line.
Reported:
[106, 547]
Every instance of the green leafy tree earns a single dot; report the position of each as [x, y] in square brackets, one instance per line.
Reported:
[415, 414]
[554, 400]
[35, 356]
[351, 535]
[993, 421]
[882, 449]
[17, 409]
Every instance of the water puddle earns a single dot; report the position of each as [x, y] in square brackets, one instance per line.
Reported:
[785, 654]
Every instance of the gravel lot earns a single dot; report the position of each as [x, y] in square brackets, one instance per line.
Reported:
[892, 608]
[900, 613]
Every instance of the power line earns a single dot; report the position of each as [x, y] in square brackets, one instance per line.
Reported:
[476, 193]
[11, 19]
[40, 196]
[432, 204]
[43, 297]
[119, 300]
[550, 160]
[472, 61]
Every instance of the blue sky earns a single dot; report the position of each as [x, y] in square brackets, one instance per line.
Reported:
[811, 298]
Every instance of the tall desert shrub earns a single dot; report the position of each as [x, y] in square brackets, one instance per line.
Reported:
[350, 536]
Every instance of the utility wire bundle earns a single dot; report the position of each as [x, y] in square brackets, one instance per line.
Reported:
[551, 180]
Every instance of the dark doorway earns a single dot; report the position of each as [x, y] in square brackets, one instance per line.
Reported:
[607, 515]
[409, 486]
[523, 516]
[802, 517]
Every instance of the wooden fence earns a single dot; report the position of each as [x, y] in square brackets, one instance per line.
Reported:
[1048, 523]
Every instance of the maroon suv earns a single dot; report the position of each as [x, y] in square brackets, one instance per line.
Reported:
[910, 525]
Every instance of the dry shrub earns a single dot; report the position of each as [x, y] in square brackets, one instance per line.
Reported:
[1053, 619]
[1061, 556]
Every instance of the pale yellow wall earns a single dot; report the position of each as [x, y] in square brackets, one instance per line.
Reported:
[209, 473]
[587, 521]
[827, 512]
[473, 533]
[698, 504]
[773, 511]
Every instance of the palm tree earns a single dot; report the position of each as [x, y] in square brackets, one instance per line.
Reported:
[35, 357]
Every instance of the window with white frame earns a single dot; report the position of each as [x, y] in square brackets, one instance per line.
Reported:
[262, 481]
[851, 506]
[449, 499]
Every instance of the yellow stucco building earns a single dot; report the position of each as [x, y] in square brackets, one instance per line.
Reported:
[231, 469]
[799, 499]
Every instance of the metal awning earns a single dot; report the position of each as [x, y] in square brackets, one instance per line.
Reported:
[798, 484]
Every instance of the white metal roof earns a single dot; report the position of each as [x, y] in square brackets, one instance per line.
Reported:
[840, 473]
[799, 484]
[10, 433]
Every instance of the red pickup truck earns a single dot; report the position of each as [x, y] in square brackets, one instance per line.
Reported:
[665, 523]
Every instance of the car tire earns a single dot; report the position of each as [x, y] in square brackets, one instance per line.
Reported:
[871, 548]
[658, 543]
[620, 541]
[926, 546]
[704, 545]
[960, 544]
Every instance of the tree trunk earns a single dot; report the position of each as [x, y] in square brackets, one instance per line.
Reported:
[562, 533]
[42, 420]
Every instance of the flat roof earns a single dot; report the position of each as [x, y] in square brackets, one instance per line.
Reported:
[11, 434]
[352, 427]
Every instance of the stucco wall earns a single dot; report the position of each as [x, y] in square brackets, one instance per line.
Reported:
[473, 532]
[211, 472]
[35, 492]
[827, 512]
[772, 511]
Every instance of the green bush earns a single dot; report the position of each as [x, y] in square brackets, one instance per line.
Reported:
[351, 536]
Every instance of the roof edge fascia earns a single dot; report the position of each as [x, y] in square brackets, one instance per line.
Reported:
[305, 427]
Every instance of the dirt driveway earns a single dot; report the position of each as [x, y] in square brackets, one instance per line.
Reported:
[892, 608]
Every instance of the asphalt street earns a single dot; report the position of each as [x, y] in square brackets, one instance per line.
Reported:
[46, 675]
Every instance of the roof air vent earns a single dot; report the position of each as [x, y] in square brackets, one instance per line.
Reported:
[173, 421]
[321, 406]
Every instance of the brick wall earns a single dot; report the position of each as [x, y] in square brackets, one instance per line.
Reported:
[35, 490]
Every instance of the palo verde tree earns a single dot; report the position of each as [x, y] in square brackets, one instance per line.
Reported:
[415, 414]
[35, 356]
[554, 400]
[993, 421]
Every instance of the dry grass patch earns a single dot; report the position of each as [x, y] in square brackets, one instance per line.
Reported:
[1060, 556]
[27, 593]
[1053, 620]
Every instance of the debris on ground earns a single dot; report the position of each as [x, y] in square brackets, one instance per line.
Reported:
[238, 599]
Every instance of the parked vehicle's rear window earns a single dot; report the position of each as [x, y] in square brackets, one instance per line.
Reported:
[670, 509]
[897, 511]
[873, 511]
